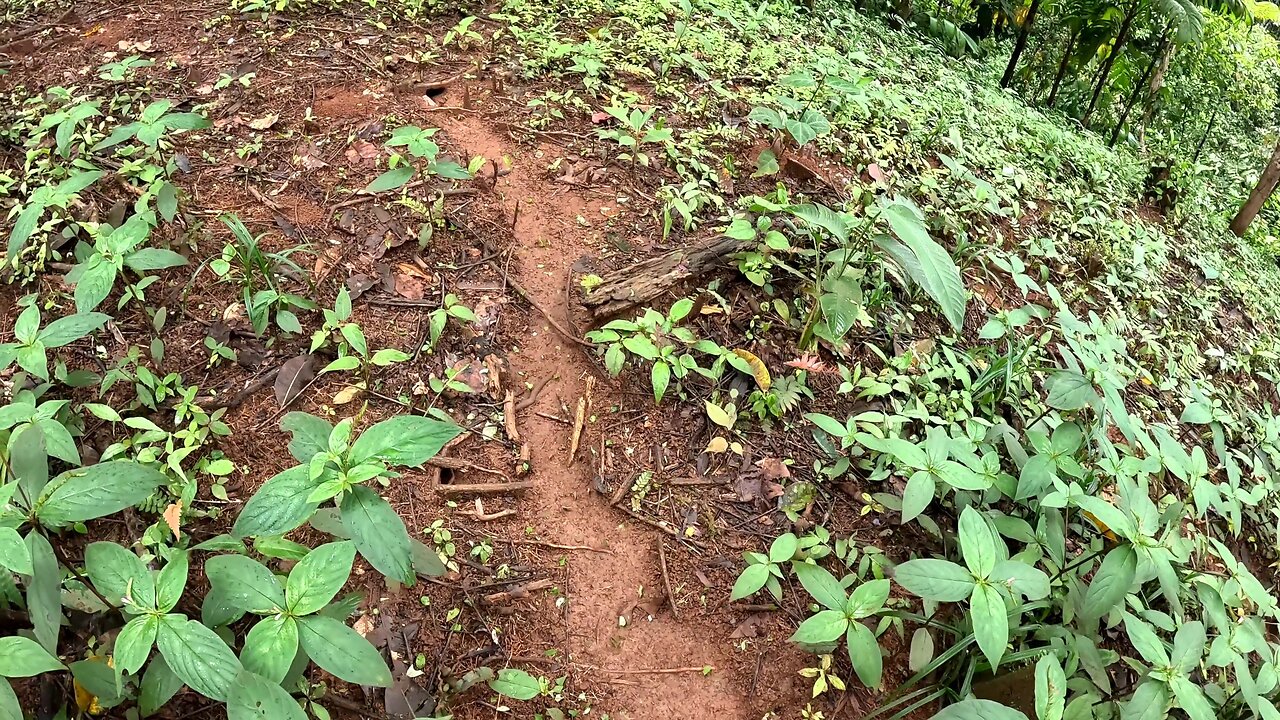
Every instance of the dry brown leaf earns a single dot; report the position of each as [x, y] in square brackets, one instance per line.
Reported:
[173, 518]
[773, 469]
[264, 122]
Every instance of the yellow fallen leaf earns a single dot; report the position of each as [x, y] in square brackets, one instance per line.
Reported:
[758, 369]
[348, 393]
[173, 518]
[717, 445]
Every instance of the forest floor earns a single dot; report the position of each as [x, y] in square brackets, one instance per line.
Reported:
[593, 537]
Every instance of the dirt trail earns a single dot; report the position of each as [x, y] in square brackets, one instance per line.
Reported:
[549, 236]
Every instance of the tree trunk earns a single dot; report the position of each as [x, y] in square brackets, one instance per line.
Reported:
[1138, 87]
[1023, 33]
[1062, 67]
[1261, 192]
[1121, 38]
[1157, 81]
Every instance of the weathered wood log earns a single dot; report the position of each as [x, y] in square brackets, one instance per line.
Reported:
[646, 280]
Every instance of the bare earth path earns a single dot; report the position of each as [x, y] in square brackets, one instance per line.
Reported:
[549, 236]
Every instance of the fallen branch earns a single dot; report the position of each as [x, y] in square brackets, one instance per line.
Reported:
[642, 282]
[452, 489]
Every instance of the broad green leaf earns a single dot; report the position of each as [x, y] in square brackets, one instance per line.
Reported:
[1107, 516]
[171, 581]
[822, 586]
[974, 709]
[516, 684]
[318, 577]
[403, 440]
[750, 581]
[829, 425]
[1192, 700]
[783, 548]
[14, 554]
[1145, 641]
[44, 592]
[823, 627]
[270, 646]
[245, 583]
[10, 708]
[1051, 688]
[1188, 646]
[390, 180]
[1036, 477]
[921, 650]
[96, 491]
[1149, 702]
[378, 533]
[22, 657]
[977, 543]
[425, 560]
[1111, 582]
[133, 644]
[938, 580]
[719, 415]
[907, 453]
[1021, 578]
[821, 216]
[990, 622]
[867, 599]
[1069, 390]
[154, 259]
[864, 653]
[917, 495]
[94, 282]
[279, 506]
[934, 271]
[310, 434]
[342, 652]
[660, 378]
[253, 697]
[198, 656]
[159, 685]
[68, 329]
[120, 575]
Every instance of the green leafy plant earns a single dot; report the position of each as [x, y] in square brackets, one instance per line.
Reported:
[423, 158]
[34, 341]
[113, 250]
[765, 571]
[637, 130]
[335, 466]
[153, 125]
[259, 273]
[297, 611]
